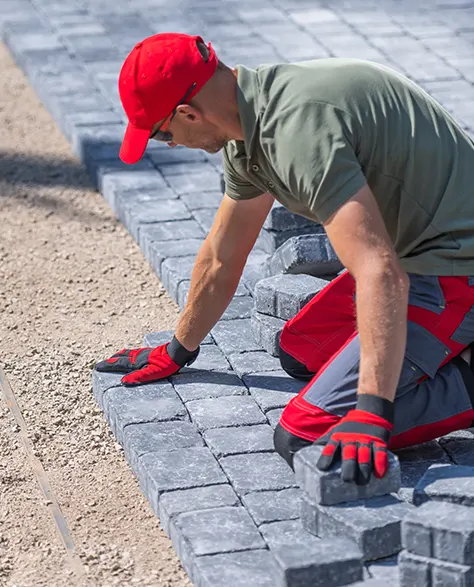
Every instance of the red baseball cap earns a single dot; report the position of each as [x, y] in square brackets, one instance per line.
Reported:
[154, 78]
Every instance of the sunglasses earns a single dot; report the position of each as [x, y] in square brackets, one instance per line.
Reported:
[162, 133]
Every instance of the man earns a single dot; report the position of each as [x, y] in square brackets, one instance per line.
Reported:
[366, 152]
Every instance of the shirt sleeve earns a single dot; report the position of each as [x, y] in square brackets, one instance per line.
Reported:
[314, 152]
[237, 186]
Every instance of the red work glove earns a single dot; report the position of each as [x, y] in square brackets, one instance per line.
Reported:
[361, 439]
[149, 364]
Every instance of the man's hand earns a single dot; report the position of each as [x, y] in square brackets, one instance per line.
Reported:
[361, 439]
[149, 364]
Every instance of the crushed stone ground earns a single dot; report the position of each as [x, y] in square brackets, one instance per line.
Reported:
[74, 288]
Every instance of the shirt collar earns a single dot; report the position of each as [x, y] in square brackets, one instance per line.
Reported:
[247, 102]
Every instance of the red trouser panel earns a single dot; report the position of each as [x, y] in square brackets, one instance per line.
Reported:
[326, 326]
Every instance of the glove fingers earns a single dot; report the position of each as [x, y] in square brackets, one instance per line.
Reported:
[364, 458]
[150, 373]
[121, 362]
[380, 460]
[349, 466]
[329, 455]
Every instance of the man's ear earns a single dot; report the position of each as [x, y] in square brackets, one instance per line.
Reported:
[189, 113]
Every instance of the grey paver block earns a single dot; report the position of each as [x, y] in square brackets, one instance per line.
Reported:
[273, 506]
[254, 361]
[172, 231]
[385, 569]
[185, 468]
[213, 531]
[327, 487]
[156, 402]
[139, 439]
[239, 307]
[285, 295]
[225, 411]
[210, 199]
[427, 572]
[324, 563]
[173, 271]
[271, 240]
[274, 416]
[205, 218]
[158, 251]
[287, 533]
[189, 500]
[234, 336]
[372, 583]
[373, 524]
[101, 382]
[280, 218]
[272, 389]
[453, 483]
[309, 254]
[154, 339]
[267, 331]
[255, 268]
[162, 155]
[197, 385]
[238, 569]
[257, 472]
[443, 531]
[246, 439]
[210, 358]
[461, 450]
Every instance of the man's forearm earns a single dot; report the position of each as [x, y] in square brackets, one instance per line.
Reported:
[382, 305]
[212, 288]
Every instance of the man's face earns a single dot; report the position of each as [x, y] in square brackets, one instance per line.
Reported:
[191, 129]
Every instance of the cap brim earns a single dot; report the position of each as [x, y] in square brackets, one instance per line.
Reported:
[134, 144]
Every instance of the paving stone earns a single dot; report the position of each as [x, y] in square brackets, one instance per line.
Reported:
[280, 218]
[312, 255]
[139, 439]
[255, 268]
[158, 251]
[267, 331]
[373, 524]
[385, 569]
[197, 179]
[205, 218]
[414, 462]
[213, 531]
[158, 338]
[372, 583]
[238, 569]
[197, 385]
[234, 336]
[271, 240]
[239, 307]
[157, 402]
[172, 231]
[257, 472]
[243, 440]
[427, 572]
[274, 416]
[323, 563]
[173, 271]
[272, 389]
[444, 531]
[186, 468]
[225, 411]
[190, 500]
[149, 210]
[245, 363]
[461, 450]
[327, 487]
[452, 483]
[161, 155]
[273, 506]
[203, 200]
[101, 382]
[287, 533]
[210, 358]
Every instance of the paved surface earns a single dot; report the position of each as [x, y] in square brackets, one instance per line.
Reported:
[200, 443]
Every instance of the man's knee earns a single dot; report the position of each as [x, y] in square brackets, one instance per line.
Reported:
[294, 367]
[287, 444]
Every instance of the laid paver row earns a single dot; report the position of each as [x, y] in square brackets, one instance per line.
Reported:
[176, 435]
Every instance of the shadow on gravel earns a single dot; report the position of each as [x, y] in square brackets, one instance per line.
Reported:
[20, 169]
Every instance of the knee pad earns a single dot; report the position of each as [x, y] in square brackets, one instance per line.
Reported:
[293, 367]
[287, 444]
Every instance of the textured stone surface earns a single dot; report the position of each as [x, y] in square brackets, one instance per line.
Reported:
[194, 385]
[283, 296]
[257, 472]
[274, 416]
[427, 572]
[267, 331]
[189, 500]
[287, 533]
[460, 450]
[225, 411]
[309, 254]
[273, 506]
[327, 487]
[213, 531]
[210, 358]
[234, 336]
[443, 531]
[252, 362]
[101, 382]
[373, 524]
[321, 564]
[272, 389]
[245, 439]
[453, 483]
[385, 569]
[158, 338]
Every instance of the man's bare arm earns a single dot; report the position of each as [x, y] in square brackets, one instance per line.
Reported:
[219, 265]
[360, 239]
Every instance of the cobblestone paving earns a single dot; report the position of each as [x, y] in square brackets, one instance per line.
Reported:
[201, 443]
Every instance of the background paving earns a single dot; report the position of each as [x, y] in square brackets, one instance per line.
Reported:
[200, 443]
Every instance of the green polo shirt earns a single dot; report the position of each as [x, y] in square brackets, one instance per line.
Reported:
[315, 132]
